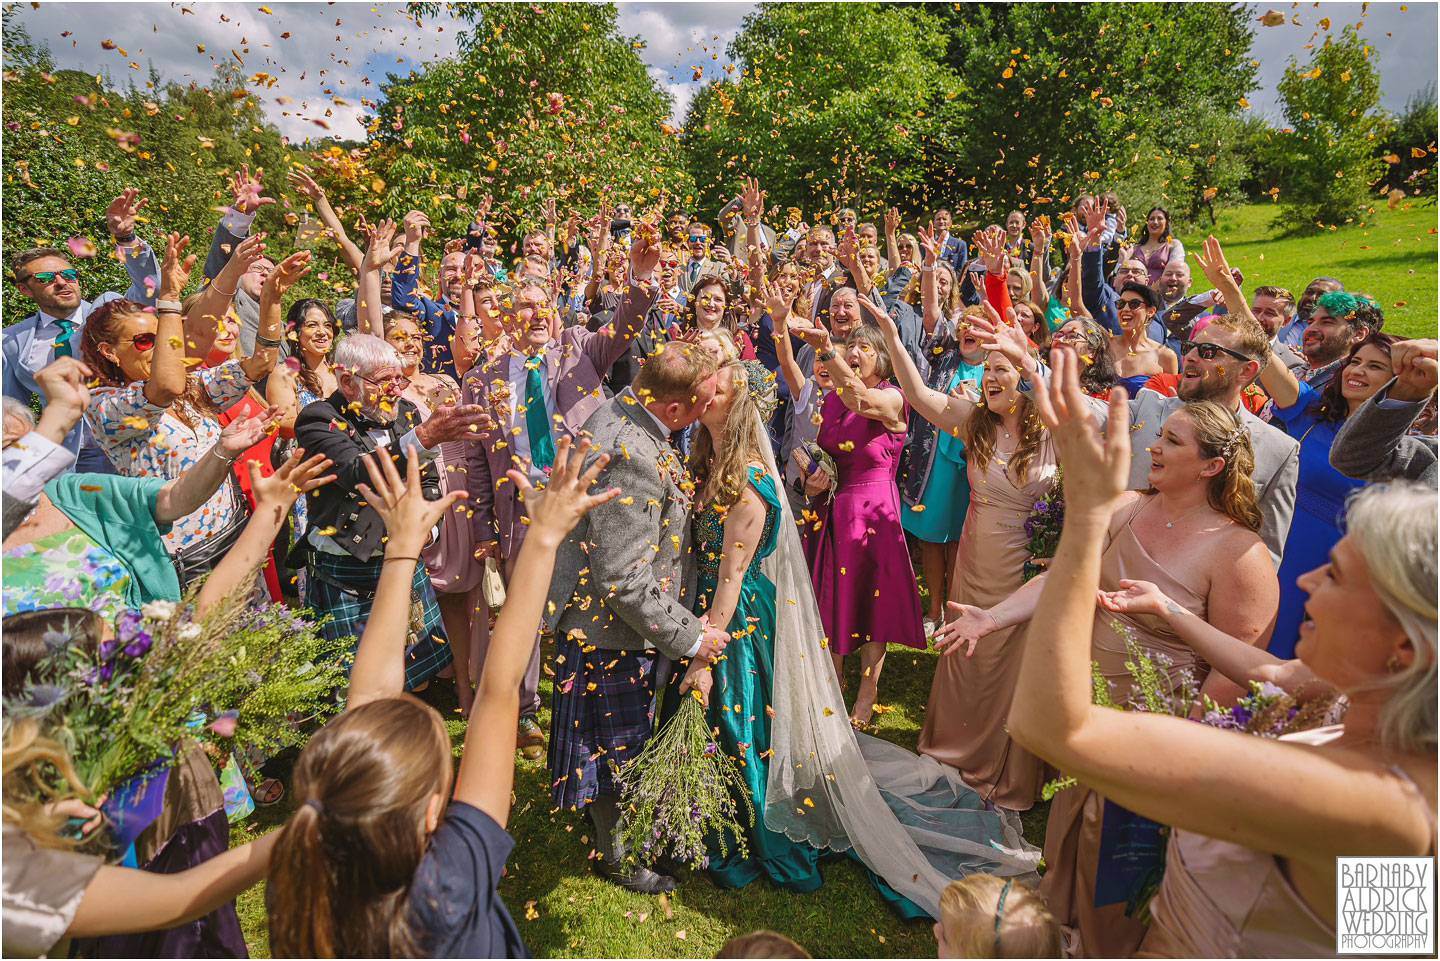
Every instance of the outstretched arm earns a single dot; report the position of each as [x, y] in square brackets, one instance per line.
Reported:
[949, 412]
[301, 180]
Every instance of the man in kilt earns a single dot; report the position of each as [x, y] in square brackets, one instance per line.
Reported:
[620, 600]
[342, 550]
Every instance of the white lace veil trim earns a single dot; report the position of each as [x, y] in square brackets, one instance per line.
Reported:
[825, 784]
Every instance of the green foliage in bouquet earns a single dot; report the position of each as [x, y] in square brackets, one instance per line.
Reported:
[681, 790]
[239, 674]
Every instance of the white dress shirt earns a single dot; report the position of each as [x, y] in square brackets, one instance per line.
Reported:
[30, 463]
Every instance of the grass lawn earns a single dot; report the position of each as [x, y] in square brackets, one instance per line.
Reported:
[564, 910]
[1388, 254]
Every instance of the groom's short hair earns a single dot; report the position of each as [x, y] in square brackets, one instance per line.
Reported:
[673, 373]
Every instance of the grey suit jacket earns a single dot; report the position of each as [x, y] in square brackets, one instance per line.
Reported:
[1374, 444]
[625, 577]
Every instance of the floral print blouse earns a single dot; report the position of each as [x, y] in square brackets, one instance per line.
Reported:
[142, 440]
[65, 569]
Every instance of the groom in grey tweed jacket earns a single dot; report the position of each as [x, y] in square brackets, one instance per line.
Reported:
[622, 590]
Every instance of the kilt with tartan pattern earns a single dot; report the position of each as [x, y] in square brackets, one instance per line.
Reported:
[600, 718]
[344, 588]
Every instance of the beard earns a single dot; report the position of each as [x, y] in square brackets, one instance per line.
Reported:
[1213, 386]
[1327, 351]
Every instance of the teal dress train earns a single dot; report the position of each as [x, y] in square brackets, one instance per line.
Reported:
[740, 696]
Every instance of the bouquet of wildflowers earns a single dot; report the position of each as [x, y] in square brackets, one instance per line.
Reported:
[1267, 711]
[1042, 528]
[681, 789]
[237, 675]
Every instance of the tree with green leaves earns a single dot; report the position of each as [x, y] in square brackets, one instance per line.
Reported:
[1071, 98]
[1329, 151]
[830, 104]
[543, 102]
[1409, 150]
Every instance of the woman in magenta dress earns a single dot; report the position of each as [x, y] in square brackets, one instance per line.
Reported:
[864, 583]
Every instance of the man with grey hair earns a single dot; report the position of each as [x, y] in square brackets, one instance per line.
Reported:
[342, 550]
[546, 384]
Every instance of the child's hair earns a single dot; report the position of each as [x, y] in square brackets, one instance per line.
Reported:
[341, 873]
[761, 944]
[26, 638]
[988, 917]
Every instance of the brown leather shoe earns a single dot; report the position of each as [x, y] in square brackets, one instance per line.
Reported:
[530, 739]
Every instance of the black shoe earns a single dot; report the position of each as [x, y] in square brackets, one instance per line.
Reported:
[641, 880]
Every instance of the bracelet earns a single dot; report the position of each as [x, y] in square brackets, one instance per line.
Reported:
[388, 559]
[752, 224]
[122, 241]
[227, 293]
[215, 450]
[170, 305]
[928, 270]
[828, 355]
[270, 342]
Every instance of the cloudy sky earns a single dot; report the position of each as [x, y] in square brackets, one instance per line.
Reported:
[317, 52]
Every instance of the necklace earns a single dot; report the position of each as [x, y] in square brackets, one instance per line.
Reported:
[1168, 522]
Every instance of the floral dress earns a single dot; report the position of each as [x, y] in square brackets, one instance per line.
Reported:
[64, 569]
[142, 439]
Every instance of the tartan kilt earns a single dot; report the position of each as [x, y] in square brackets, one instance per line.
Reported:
[600, 717]
[344, 588]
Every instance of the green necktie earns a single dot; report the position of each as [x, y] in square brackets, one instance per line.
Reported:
[537, 421]
[62, 346]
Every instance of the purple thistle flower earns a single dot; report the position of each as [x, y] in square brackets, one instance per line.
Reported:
[710, 748]
[106, 649]
[138, 645]
[1041, 506]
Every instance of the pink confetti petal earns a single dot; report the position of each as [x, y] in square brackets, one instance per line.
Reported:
[81, 246]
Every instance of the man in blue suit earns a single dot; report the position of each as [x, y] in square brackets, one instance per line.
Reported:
[44, 275]
[437, 319]
[951, 248]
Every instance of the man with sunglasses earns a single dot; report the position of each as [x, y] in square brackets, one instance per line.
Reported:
[1217, 365]
[342, 550]
[44, 275]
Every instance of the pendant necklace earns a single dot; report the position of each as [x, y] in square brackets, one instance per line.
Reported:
[1169, 523]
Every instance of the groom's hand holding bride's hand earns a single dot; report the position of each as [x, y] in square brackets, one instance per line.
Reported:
[712, 643]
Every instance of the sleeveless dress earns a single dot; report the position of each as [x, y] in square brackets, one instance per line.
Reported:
[970, 696]
[741, 695]
[1224, 900]
[1073, 830]
[934, 461]
[1155, 262]
[1320, 493]
[856, 547]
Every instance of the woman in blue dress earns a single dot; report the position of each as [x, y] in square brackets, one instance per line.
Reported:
[735, 528]
[1313, 417]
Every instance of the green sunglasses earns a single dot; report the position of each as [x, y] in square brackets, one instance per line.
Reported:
[48, 276]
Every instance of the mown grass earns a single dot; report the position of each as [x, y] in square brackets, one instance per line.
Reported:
[1388, 254]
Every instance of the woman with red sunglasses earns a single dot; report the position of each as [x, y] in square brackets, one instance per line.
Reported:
[154, 419]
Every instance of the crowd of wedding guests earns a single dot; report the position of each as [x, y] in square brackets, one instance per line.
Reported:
[1247, 482]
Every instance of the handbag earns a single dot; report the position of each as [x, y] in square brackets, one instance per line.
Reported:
[202, 556]
[492, 585]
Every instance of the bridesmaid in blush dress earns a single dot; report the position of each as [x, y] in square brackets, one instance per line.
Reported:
[864, 582]
[1011, 464]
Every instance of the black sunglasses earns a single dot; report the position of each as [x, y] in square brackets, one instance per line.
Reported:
[48, 276]
[1131, 303]
[1208, 351]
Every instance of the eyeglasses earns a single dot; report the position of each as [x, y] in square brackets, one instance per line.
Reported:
[711, 301]
[669, 263]
[1209, 351]
[393, 385]
[1131, 303]
[143, 341]
[48, 276]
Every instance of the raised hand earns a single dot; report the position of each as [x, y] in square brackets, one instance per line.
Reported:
[1006, 337]
[775, 302]
[1415, 366]
[1039, 234]
[991, 244]
[547, 210]
[416, 223]
[1136, 597]
[120, 214]
[380, 254]
[644, 254]
[454, 422]
[1212, 261]
[175, 267]
[817, 337]
[286, 273]
[241, 435]
[1094, 213]
[62, 384]
[929, 244]
[408, 516]
[964, 629]
[1097, 464]
[295, 476]
[300, 179]
[847, 251]
[882, 318]
[555, 511]
[246, 189]
[892, 221]
[752, 201]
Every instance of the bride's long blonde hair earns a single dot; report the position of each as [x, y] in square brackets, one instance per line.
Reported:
[28, 788]
[753, 396]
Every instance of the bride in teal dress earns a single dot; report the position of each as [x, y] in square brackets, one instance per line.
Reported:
[816, 786]
[734, 530]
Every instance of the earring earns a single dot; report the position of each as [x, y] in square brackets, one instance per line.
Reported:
[1393, 664]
